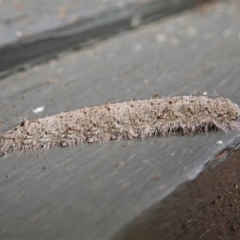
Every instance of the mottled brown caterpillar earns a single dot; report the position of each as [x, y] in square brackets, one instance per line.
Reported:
[128, 120]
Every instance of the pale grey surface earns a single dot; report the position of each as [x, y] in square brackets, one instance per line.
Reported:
[93, 191]
[21, 18]
[33, 31]
[33, 17]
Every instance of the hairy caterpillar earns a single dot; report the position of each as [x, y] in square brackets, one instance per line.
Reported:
[133, 119]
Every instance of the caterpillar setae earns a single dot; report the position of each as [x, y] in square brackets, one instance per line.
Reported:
[133, 119]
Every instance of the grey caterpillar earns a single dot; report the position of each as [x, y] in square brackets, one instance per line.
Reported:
[134, 119]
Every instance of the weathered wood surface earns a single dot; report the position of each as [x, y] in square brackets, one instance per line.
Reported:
[205, 208]
[96, 191]
[37, 30]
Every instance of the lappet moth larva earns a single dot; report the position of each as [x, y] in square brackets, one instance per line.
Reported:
[133, 119]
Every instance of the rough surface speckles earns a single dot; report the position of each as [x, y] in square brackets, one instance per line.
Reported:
[128, 120]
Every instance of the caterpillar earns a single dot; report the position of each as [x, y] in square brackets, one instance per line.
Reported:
[133, 119]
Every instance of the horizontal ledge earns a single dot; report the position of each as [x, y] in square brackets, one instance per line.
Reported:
[28, 51]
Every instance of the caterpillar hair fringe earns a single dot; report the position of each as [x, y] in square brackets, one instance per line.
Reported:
[133, 119]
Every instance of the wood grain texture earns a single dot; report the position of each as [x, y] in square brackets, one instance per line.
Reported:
[205, 208]
[35, 31]
[94, 191]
